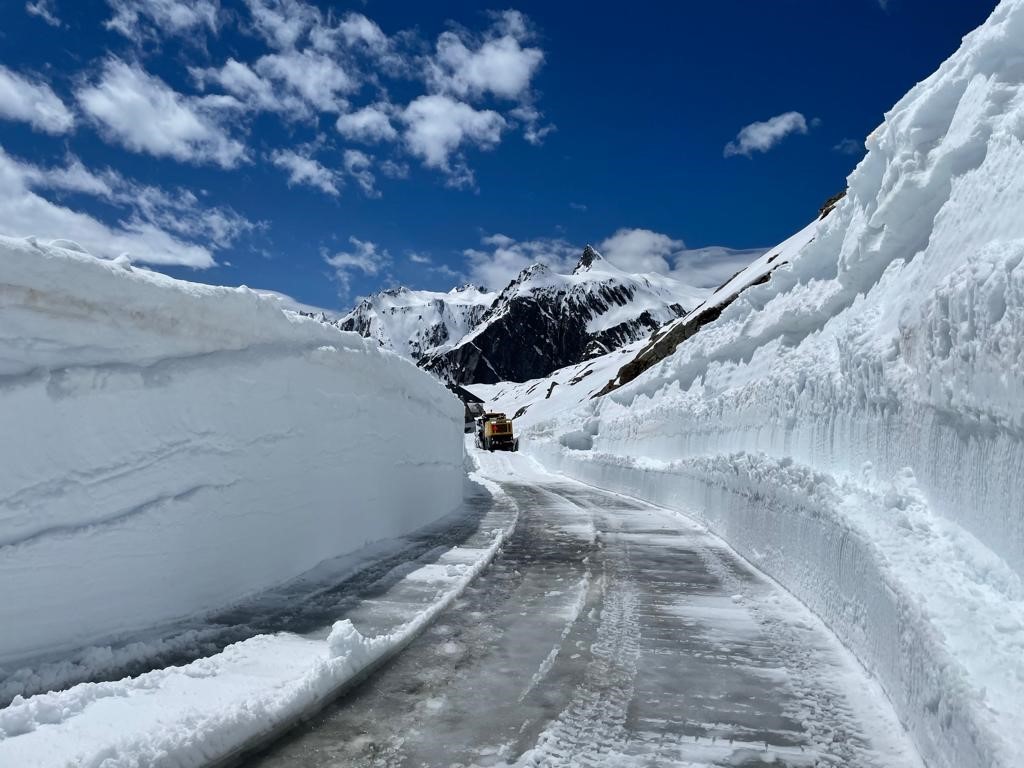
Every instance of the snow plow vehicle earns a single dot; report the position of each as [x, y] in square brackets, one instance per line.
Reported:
[494, 433]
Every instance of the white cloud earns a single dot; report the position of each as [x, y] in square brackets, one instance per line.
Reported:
[643, 250]
[506, 258]
[394, 170]
[365, 257]
[710, 267]
[145, 115]
[637, 251]
[357, 165]
[640, 250]
[255, 92]
[500, 66]
[133, 18]
[762, 136]
[45, 10]
[316, 78]
[369, 124]
[850, 147]
[304, 169]
[419, 258]
[529, 117]
[23, 212]
[282, 23]
[33, 102]
[178, 211]
[437, 126]
[295, 84]
[356, 29]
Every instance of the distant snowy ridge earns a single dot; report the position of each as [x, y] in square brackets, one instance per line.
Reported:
[173, 447]
[543, 321]
[853, 424]
[416, 323]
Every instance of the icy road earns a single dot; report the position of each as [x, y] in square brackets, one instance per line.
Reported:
[609, 632]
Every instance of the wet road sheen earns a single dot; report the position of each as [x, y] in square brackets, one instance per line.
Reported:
[610, 633]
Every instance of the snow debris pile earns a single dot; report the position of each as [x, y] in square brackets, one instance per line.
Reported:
[854, 424]
[172, 447]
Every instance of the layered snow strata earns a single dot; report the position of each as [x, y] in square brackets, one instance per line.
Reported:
[171, 447]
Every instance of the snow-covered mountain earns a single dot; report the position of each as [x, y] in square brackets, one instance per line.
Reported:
[544, 320]
[415, 323]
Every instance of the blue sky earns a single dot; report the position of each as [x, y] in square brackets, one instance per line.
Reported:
[326, 150]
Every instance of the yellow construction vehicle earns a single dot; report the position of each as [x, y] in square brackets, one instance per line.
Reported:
[494, 433]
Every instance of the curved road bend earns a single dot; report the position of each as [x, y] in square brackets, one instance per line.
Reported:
[609, 633]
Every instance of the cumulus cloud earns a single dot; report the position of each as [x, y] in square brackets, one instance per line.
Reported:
[137, 19]
[296, 84]
[640, 250]
[33, 102]
[762, 136]
[320, 61]
[369, 124]
[45, 10]
[303, 169]
[145, 115]
[500, 66]
[317, 78]
[504, 258]
[437, 126]
[363, 257]
[160, 227]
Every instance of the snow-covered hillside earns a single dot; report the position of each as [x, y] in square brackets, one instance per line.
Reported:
[416, 323]
[544, 320]
[170, 447]
[853, 424]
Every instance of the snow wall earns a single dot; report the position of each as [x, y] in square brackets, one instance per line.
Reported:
[170, 447]
[855, 426]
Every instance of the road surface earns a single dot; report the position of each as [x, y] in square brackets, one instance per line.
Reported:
[609, 633]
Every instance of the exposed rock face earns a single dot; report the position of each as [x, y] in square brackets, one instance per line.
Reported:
[543, 321]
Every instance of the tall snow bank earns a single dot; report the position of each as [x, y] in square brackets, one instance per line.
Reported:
[170, 447]
[855, 425]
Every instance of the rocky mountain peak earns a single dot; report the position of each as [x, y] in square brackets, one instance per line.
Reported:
[587, 259]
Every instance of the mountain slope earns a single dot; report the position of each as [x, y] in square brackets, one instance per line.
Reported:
[543, 321]
[415, 323]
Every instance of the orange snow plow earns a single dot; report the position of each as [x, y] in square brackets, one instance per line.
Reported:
[494, 433]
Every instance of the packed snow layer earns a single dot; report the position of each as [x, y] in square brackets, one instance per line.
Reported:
[212, 710]
[172, 447]
[855, 425]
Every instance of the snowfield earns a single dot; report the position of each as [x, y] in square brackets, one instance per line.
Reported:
[854, 425]
[170, 448]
